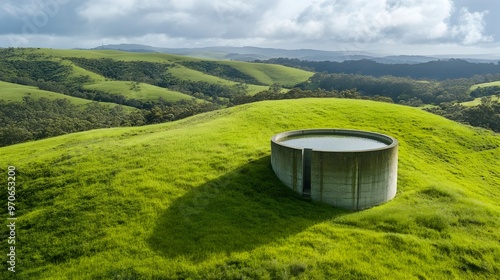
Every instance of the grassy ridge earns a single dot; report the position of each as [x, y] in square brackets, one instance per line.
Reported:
[182, 72]
[79, 72]
[198, 199]
[267, 74]
[15, 92]
[492, 84]
[142, 91]
[478, 101]
[117, 55]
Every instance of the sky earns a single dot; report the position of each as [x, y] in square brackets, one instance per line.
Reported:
[412, 27]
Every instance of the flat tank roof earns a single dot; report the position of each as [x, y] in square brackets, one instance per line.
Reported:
[332, 143]
[334, 140]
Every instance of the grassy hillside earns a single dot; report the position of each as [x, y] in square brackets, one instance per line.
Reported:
[197, 76]
[478, 101]
[267, 74]
[141, 91]
[79, 72]
[105, 75]
[492, 84]
[117, 55]
[15, 92]
[197, 199]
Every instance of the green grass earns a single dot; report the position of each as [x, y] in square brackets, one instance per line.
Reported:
[10, 92]
[118, 55]
[143, 92]
[492, 84]
[79, 71]
[269, 74]
[266, 74]
[15, 92]
[185, 73]
[197, 199]
[478, 101]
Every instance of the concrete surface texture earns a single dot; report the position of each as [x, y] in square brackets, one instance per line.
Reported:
[353, 180]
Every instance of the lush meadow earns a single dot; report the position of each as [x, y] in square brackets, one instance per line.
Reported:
[197, 199]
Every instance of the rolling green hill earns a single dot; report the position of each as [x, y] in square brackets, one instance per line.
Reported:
[15, 92]
[484, 85]
[186, 73]
[197, 199]
[140, 91]
[478, 101]
[74, 72]
[267, 74]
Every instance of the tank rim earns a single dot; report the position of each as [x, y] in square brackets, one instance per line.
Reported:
[386, 139]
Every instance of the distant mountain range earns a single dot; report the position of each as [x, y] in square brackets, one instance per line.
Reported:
[256, 53]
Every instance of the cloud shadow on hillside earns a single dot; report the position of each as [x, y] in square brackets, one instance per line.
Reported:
[240, 211]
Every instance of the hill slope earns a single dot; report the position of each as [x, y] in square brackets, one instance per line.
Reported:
[15, 92]
[139, 91]
[267, 74]
[484, 85]
[198, 199]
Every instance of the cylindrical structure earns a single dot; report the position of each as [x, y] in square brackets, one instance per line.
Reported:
[349, 169]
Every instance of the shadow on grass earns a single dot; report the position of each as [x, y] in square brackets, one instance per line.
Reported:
[246, 208]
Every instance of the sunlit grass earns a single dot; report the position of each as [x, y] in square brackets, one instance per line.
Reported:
[182, 72]
[479, 101]
[77, 71]
[15, 92]
[139, 91]
[197, 199]
[269, 74]
[266, 74]
[491, 84]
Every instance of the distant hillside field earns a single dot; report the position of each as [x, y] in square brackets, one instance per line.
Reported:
[15, 92]
[268, 74]
[170, 77]
[117, 55]
[190, 74]
[197, 199]
[139, 91]
[478, 101]
[492, 84]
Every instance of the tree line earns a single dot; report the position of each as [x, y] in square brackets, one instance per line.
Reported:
[153, 73]
[402, 90]
[485, 115]
[34, 119]
[433, 70]
[222, 71]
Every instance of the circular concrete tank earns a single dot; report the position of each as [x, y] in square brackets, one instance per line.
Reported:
[349, 169]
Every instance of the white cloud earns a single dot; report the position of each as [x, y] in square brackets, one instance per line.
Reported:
[471, 27]
[108, 9]
[359, 21]
[324, 24]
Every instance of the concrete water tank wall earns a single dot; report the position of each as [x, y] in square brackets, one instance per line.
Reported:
[352, 177]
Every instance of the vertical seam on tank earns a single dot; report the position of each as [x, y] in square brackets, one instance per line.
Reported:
[294, 171]
[357, 183]
[321, 174]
